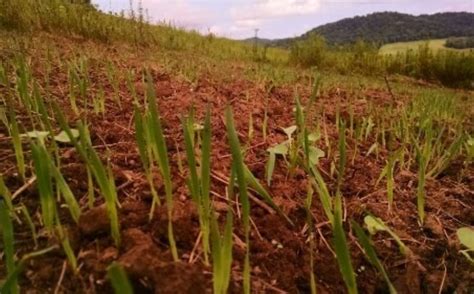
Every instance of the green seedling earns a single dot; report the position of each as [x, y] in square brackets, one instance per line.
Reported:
[3, 116]
[280, 149]
[160, 153]
[144, 149]
[8, 245]
[388, 173]
[221, 254]
[341, 248]
[309, 221]
[199, 182]
[366, 243]
[17, 145]
[423, 158]
[466, 237]
[375, 224]
[102, 175]
[29, 221]
[119, 280]
[5, 194]
[45, 185]
[46, 172]
[319, 184]
[114, 82]
[253, 183]
[10, 285]
[238, 165]
[64, 239]
[342, 154]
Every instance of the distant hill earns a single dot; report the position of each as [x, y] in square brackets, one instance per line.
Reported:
[258, 40]
[390, 27]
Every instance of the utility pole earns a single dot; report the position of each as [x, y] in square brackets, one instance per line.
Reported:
[255, 41]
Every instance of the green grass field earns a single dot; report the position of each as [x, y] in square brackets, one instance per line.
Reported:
[400, 47]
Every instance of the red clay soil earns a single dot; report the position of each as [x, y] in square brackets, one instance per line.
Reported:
[279, 251]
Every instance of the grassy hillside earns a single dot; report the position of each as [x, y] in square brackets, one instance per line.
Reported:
[402, 47]
[146, 159]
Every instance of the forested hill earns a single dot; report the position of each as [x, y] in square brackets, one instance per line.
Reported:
[389, 27]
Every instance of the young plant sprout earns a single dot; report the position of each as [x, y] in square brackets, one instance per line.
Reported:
[199, 182]
[239, 167]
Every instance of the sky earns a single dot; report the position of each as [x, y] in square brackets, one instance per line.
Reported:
[238, 19]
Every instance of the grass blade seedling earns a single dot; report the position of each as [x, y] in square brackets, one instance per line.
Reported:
[8, 244]
[45, 172]
[309, 221]
[239, 166]
[342, 154]
[29, 220]
[64, 239]
[143, 142]
[199, 183]
[342, 249]
[372, 255]
[45, 185]
[161, 155]
[66, 193]
[388, 173]
[5, 194]
[420, 191]
[255, 184]
[118, 277]
[103, 176]
[17, 145]
[375, 224]
[10, 284]
[221, 254]
[206, 178]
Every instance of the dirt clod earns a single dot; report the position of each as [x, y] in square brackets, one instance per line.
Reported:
[94, 220]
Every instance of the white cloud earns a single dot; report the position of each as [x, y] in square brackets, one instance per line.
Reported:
[247, 23]
[179, 12]
[260, 10]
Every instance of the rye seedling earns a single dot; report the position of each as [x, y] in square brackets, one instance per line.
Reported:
[238, 165]
[161, 156]
[29, 220]
[45, 173]
[423, 159]
[309, 194]
[17, 145]
[199, 182]
[114, 82]
[5, 193]
[342, 249]
[341, 246]
[144, 149]
[10, 285]
[102, 175]
[221, 253]
[8, 245]
[119, 280]
[309, 221]
[388, 173]
[45, 185]
[366, 243]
